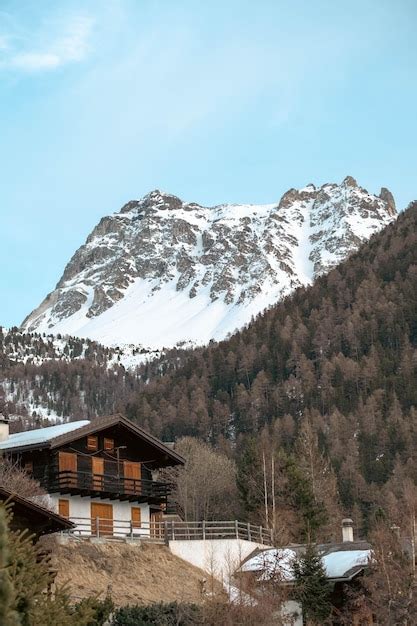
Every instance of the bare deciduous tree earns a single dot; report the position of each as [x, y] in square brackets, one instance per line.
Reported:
[206, 487]
[17, 480]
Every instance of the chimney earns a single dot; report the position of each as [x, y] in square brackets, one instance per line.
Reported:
[397, 531]
[347, 529]
[4, 428]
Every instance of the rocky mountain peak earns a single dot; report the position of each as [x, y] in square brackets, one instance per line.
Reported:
[160, 199]
[162, 272]
[388, 198]
[349, 181]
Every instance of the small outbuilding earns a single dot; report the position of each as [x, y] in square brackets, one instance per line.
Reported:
[29, 515]
[344, 564]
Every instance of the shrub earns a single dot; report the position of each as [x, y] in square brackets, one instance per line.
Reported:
[171, 614]
[101, 609]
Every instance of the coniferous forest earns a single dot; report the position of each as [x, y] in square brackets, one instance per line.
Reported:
[329, 374]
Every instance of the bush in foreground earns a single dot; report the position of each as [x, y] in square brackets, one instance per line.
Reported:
[172, 614]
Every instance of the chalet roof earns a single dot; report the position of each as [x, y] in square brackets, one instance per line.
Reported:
[35, 517]
[344, 564]
[40, 435]
[55, 436]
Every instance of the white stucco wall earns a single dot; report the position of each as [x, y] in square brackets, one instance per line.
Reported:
[218, 557]
[80, 512]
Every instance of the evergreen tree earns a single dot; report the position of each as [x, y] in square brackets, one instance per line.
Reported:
[249, 476]
[311, 589]
[300, 490]
[8, 615]
[24, 580]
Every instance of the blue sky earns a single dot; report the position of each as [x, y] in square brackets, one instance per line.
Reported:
[103, 100]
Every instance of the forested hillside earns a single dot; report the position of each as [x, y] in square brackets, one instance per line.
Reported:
[348, 341]
[341, 355]
[45, 376]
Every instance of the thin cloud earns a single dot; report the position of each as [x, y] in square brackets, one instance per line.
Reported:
[71, 45]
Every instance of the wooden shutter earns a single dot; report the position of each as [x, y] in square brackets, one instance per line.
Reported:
[67, 462]
[92, 442]
[136, 517]
[97, 468]
[63, 508]
[108, 443]
[132, 473]
[101, 519]
[156, 524]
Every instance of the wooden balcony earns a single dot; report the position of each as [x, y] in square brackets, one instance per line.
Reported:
[106, 486]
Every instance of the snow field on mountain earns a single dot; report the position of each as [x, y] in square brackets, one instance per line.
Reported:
[162, 272]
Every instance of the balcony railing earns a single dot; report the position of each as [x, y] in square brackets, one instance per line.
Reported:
[76, 481]
[117, 529]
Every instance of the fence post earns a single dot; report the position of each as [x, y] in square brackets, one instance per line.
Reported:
[260, 533]
[131, 529]
[249, 535]
[166, 533]
[204, 529]
[98, 527]
[173, 529]
[237, 528]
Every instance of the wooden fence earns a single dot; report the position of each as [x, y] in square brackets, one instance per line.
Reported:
[169, 530]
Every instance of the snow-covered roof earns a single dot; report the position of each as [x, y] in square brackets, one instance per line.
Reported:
[40, 435]
[338, 564]
[272, 562]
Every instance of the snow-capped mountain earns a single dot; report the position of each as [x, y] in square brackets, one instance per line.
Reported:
[163, 272]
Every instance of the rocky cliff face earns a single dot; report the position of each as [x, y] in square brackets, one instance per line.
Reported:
[162, 272]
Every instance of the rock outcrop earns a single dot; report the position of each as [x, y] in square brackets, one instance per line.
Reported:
[162, 271]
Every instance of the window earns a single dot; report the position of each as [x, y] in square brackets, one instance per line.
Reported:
[92, 442]
[136, 517]
[108, 444]
[63, 508]
[28, 467]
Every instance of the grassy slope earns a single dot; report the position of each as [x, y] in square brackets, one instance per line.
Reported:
[134, 574]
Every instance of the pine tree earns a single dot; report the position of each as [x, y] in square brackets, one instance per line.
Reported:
[323, 482]
[312, 513]
[311, 589]
[8, 616]
[24, 579]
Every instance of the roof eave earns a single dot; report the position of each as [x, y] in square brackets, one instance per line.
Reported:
[27, 448]
[114, 420]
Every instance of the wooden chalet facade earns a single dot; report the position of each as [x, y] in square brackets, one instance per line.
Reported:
[101, 475]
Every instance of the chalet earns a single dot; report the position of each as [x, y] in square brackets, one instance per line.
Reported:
[102, 475]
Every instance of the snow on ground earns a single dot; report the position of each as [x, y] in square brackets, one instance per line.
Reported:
[166, 317]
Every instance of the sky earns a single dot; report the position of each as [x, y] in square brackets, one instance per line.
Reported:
[102, 101]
